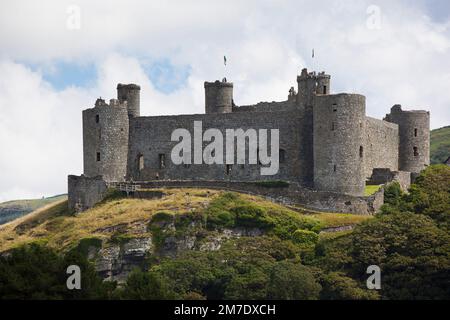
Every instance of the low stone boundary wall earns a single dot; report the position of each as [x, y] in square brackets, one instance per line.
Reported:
[294, 194]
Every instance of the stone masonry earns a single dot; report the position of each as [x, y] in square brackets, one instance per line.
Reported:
[326, 141]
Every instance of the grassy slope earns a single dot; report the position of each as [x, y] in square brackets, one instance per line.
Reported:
[440, 145]
[11, 210]
[54, 226]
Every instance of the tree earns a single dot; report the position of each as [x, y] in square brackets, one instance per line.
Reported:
[142, 285]
[292, 281]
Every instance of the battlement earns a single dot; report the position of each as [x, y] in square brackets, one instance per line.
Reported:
[305, 75]
[101, 103]
[218, 84]
[130, 86]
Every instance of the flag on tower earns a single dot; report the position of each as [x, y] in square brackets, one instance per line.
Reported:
[224, 60]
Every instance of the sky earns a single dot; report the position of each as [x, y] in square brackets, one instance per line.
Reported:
[57, 57]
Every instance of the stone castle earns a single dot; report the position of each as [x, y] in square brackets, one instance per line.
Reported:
[327, 143]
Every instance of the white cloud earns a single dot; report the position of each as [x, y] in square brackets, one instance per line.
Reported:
[266, 43]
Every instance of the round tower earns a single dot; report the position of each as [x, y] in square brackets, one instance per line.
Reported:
[131, 94]
[339, 124]
[414, 132]
[105, 140]
[218, 97]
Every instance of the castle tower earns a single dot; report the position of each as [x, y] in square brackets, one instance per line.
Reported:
[414, 131]
[310, 84]
[105, 140]
[218, 97]
[131, 94]
[339, 122]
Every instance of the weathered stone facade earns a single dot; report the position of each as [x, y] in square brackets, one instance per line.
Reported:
[327, 143]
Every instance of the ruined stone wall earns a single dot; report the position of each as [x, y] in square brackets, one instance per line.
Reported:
[150, 138]
[380, 146]
[84, 192]
[273, 106]
[339, 125]
[105, 140]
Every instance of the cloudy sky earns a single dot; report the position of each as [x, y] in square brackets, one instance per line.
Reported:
[57, 57]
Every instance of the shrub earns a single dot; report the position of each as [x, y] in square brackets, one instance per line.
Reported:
[305, 237]
[252, 216]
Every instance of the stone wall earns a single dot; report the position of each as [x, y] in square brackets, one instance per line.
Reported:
[339, 123]
[414, 133]
[105, 140]
[294, 194]
[150, 140]
[380, 145]
[84, 192]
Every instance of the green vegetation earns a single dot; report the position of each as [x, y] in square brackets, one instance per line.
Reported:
[371, 189]
[440, 145]
[11, 210]
[288, 258]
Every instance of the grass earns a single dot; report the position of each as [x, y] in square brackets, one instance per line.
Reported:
[371, 189]
[440, 145]
[14, 209]
[120, 219]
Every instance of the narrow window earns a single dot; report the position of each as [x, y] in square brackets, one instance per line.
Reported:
[98, 156]
[361, 151]
[334, 107]
[324, 89]
[282, 155]
[334, 168]
[97, 118]
[415, 132]
[162, 160]
[141, 162]
[416, 152]
[333, 126]
[228, 169]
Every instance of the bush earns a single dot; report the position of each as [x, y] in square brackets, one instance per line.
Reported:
[146, 286]
[305, 237]
[337, 286]
[252, 216]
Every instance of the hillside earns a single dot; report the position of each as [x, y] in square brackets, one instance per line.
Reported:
[440, 145]
[14, 209]
[118, 217]
[211, 244]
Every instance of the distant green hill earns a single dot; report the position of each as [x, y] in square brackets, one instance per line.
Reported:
[440, 145]
[14, 209]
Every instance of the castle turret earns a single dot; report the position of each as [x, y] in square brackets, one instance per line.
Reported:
[339, 122]
[105, 140]
[218, 97]
[414, 131]
[131, 94]
[310, 84]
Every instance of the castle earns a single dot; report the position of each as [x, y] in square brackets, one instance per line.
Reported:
[326, 141]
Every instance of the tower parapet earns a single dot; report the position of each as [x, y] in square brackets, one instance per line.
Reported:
[414, 132]
[131, 94]
[218, 96]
